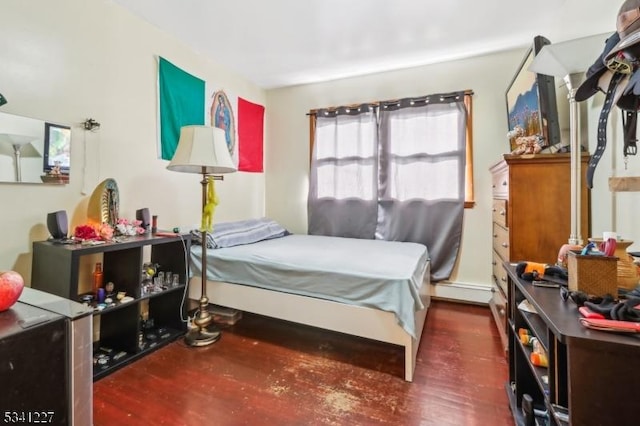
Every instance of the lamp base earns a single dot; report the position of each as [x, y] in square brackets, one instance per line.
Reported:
[202, 336]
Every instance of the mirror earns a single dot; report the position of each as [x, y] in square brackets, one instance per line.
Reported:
[34, 151]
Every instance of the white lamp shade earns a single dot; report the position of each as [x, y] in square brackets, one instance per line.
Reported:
[202, 149]
[568, 57]
[18, 143]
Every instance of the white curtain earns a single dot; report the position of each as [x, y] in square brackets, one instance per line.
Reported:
[394, 172]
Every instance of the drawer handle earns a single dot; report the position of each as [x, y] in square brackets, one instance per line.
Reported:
[495, 235]
[502, 212]
[505, 245]
[494, 263]
[493, 290]
[494, 210]
[503, 279]
[493, 186]
[504, 183]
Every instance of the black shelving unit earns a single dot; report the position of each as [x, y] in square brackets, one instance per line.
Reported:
[583, 365]
[129, 330]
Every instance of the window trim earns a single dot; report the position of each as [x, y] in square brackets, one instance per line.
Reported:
[469, 197]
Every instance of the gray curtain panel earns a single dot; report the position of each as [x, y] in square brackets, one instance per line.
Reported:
[422, 176]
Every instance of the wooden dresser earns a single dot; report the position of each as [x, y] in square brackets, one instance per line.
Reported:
[531, 217]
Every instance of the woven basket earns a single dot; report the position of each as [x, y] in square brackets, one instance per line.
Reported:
[594, 275]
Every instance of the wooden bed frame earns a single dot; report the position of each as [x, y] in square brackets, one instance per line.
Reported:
[355, 320]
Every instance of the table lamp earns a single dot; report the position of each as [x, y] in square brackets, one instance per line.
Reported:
[203, 150]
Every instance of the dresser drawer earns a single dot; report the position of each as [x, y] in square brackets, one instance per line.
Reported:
[499, 212]
[498, 306]
[500, 182]
[500, 301]
[499, 273]
[501, 241]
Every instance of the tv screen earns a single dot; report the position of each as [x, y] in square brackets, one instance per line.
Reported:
[57, 147]
[532, 111]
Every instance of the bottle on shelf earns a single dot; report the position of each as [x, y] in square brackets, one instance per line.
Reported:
[98, 276]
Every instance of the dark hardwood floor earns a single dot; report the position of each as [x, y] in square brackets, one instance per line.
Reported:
[270, 372]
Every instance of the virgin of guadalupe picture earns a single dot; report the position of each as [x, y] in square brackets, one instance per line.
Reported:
[222, 118]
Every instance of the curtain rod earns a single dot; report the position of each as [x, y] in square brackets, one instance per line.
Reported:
[467, 92]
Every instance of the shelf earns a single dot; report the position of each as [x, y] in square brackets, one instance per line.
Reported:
[538, 372]
[114, 307]
[513, 404]
[118, 305]
[62, 269]
[100, 371]
[108, 246]
[160, 293]
[554, 414]
[518, 417]
[537, 326]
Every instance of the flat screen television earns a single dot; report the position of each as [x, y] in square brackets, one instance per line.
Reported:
[57, 148]
[532, 110]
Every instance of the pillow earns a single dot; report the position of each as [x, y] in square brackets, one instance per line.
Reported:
[229, 234]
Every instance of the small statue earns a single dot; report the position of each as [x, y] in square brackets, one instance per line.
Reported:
[109, 288]
[55, 170]
[210, 206]
[527, 145]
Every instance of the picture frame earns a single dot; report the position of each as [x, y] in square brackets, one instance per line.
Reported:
[532, 110]
[57, 148]
[222, 117]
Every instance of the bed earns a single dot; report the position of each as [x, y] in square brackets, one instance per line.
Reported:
[371, 288]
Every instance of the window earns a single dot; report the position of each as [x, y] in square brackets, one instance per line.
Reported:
[394, 170]
[350, 181]
[346, 157]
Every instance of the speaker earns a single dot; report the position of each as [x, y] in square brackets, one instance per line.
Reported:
[58, 225]
[144, 216]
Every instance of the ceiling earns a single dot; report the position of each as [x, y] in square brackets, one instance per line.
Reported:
[277, 43]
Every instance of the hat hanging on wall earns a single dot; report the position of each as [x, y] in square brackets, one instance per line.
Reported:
[628, 27]
[590, 86]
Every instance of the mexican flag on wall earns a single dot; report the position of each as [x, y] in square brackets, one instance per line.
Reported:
[185, 100]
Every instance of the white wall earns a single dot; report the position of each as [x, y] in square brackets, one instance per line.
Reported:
[488, 76]
[68, 60]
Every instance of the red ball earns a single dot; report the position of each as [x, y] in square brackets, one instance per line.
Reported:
[11, 285]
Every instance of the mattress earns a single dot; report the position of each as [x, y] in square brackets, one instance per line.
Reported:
[385, 275]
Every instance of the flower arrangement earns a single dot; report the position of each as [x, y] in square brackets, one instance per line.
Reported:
[105, 232]
[129, 227]
[93, 232]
